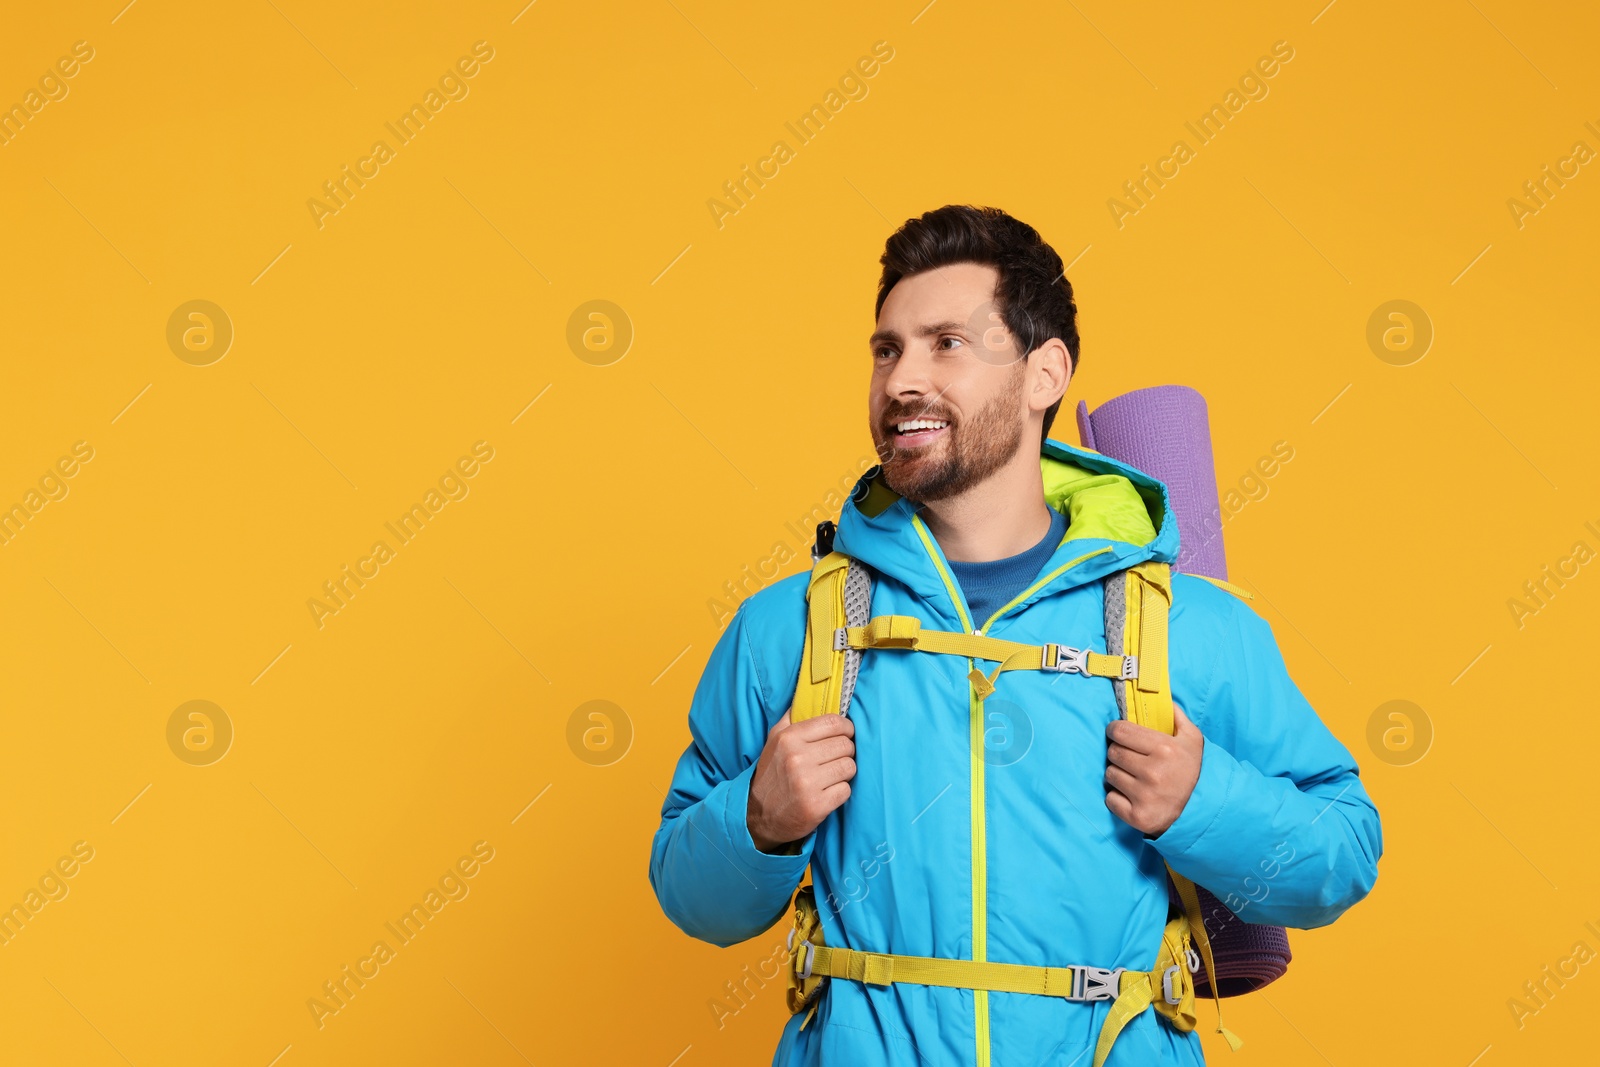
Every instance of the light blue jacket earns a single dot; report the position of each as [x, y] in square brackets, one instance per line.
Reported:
[992, 840]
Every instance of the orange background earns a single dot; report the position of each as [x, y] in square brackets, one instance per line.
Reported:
[369, 354]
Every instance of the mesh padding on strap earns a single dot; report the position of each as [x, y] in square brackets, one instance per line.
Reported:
[857, 611]
[1116, 585]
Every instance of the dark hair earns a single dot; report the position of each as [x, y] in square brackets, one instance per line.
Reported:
[1033, 294]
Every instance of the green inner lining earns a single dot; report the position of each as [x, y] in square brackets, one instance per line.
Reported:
[1100, 505]
[1097, 505]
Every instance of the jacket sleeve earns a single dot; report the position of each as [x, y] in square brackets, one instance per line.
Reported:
[711, 880]
[1279, 826]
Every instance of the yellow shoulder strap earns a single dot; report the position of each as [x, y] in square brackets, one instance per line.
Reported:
[1147, 595]
[1147, 601]
[1229, 586]
[821, 665]
[817, 692]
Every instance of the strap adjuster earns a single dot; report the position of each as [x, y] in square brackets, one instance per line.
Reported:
[1065, 659]
[807, 949]
[1096, 983]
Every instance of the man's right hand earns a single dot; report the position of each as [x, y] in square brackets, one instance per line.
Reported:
[803, 773]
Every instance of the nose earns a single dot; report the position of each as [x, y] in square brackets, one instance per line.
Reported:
[910, 378]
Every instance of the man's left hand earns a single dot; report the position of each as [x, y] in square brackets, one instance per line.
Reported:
[1149, 774]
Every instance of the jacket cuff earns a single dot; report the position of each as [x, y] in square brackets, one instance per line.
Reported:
[1218, 773]
[764, 868]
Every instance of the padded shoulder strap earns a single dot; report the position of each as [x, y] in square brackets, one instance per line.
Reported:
[839, 595]
[1137, 603]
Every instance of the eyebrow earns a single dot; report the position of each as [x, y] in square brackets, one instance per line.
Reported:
[927, 330]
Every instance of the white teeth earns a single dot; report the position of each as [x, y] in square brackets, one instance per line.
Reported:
[922, 424]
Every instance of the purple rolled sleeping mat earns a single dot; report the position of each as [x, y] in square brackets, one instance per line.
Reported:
[1164, 431]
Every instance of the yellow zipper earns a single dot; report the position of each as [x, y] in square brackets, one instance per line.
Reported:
[980, 879]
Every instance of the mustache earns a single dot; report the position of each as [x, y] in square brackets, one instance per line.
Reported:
[895, 412]
[895, 416]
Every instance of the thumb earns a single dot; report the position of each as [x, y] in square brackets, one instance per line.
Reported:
[781, 724]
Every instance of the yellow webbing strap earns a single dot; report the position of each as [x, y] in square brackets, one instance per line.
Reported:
[1136, 990]
[1229, 586]
[881, 968]
[1143, 989]
[877, 968]
[1197, 926]
[905, 631]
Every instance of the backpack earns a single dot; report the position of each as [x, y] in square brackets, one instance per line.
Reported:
[840, 627]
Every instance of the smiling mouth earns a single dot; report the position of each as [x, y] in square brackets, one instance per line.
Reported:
[916, 433]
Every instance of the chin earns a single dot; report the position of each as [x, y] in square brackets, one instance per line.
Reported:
[918, 490]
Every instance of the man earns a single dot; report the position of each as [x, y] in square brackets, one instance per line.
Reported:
[1032, 827]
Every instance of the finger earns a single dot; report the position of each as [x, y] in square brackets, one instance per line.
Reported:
[836, 794]
[840, 770]
[831, 748]
[829, 725]
[781, 725]
[1126, 758]
[802, 757]
[1121, 781]
[1132, 735]
[1120, 806]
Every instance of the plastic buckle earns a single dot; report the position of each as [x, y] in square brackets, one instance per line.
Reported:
[1194, 961]
[1068, 660]
[841, 639]
[1130, 668]
[1166, 985]
[1097, 983]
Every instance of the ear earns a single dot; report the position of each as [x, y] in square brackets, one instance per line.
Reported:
[1049, 374]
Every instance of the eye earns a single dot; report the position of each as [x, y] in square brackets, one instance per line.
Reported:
[881, 352]
[950, 337]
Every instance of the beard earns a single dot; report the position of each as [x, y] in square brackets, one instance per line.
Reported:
[971, 450]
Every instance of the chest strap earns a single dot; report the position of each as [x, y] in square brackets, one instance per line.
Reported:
[906, 632]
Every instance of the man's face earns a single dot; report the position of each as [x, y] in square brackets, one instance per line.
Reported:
[942, 355]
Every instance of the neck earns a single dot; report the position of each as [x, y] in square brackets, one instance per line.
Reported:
[1002, 516]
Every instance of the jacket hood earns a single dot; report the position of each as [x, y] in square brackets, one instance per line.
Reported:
[1108, 503]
